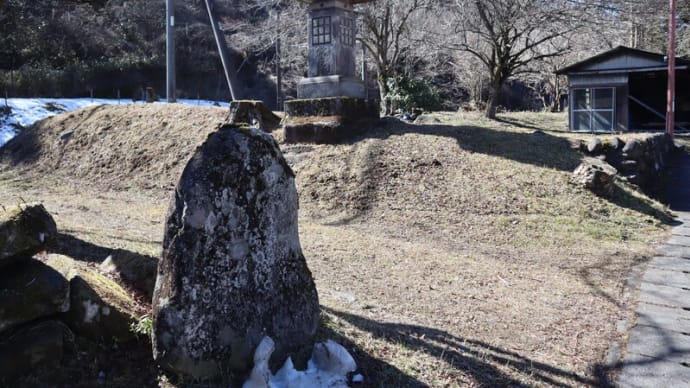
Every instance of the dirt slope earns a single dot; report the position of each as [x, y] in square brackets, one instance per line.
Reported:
[450, 252]
[123, 146]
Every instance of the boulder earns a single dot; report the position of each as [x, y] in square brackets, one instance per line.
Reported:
[232, 269]
[100, 309]
[24, 231]
[596, 176]
[29, 291]
[138, 271]
[39, 345]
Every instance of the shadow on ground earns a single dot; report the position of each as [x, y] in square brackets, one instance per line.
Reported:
[477, 359]
[135, 270]
[536, 148]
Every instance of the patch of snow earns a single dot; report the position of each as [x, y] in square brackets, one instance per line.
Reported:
[328, 367]
[91, 310]
[27, 111]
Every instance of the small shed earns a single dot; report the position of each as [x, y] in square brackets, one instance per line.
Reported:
[624, 89]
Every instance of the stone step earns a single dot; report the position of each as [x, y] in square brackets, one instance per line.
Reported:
[681, 240]
[671, 263]
[645, 372]
[664, 295]
[659, 344]
[665, 318]
[674, 250]
[667, 277]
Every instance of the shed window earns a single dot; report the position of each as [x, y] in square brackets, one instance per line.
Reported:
[593, 109]
[347, 31]
[321, 30]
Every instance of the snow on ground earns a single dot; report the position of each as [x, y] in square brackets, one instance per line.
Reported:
[26, 111]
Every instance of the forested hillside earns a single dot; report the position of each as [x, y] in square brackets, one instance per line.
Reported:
[71, 47]
[478, 53]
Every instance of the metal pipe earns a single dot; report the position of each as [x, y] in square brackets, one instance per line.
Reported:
[671, 92]
[170, 49]
[222, 49]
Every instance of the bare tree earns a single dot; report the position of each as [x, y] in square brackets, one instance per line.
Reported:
[385, 35]
[509, 35]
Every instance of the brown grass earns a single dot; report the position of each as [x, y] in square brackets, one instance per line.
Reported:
[452, 252]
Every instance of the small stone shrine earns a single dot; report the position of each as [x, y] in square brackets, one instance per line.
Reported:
[331, 97]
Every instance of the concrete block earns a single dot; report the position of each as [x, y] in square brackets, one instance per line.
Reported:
[660, 344]
[674, 250]
[330, 86]
[671, 263]
[667, 277]
[679, 240]
[646, 372]
[666, 318]
[664, 295]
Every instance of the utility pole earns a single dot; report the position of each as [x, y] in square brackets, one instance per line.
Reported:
[671, 93]
[170, 49]
[279, 72]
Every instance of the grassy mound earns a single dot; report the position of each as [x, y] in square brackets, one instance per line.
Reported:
[453, 251]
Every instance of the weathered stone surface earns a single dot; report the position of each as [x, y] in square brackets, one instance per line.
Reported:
[254, 114]
[595, 175]
[41, 345]
[633, 149]
[232, 269]
[29, 291]
[100, 309]
[24, 231]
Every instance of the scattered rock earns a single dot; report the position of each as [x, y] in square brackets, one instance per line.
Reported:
[136, 270]
[24, 231]
[596, 175]
[253, 113]
[616, 143]
[100, 308]
[633, 149]
[232, 269]
[29, 291]
[594, 146]
[40, 345]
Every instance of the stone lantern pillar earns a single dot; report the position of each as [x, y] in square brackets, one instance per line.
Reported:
[332, 30]
[331, 102]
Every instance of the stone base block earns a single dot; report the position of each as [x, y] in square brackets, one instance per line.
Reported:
[330, 86]
[327, 120]
[350, 109]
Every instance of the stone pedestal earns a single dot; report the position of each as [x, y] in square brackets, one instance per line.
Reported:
[330, 86]
[328, 120]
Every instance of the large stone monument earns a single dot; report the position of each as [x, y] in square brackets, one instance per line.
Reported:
[232, 269]
[331, 96]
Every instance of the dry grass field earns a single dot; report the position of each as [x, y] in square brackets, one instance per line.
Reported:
[454, 251]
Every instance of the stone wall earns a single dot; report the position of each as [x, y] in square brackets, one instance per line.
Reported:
[638, 161]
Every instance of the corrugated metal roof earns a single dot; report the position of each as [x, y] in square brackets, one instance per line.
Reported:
[621, 59]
